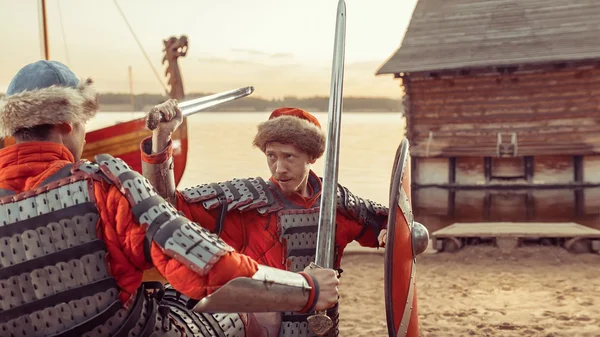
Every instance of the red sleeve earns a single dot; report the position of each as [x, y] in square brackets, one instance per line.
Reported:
[349, 230]
[233, 231]
[124, 238]
[361, 219]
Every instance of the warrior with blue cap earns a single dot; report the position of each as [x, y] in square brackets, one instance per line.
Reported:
[76, 236]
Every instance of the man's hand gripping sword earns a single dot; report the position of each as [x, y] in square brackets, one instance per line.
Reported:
[320, 323]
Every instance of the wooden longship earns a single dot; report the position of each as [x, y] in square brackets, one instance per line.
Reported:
[502, 106]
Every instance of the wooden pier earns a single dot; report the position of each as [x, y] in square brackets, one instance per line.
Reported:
[508, 235]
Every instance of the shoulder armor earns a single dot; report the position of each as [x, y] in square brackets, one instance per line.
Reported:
[90, 169]
[180, 238]
[240, 194]
[87, 167]
[364, 211]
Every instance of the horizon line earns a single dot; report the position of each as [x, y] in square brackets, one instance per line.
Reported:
[261, 97]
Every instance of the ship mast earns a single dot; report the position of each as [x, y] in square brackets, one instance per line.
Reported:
[131, 95]
[44, 30]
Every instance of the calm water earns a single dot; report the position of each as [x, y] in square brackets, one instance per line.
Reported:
[220, 148]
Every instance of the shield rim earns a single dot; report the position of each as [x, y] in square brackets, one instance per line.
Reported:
[394, 197]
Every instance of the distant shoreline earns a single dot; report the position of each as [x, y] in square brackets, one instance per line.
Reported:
[108, 108]
[123, 102]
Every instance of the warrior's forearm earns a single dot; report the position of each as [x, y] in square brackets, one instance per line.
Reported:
[160, 141]
[157, 166]
[269, 290]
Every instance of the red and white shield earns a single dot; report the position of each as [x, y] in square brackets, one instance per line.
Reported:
[400, 292]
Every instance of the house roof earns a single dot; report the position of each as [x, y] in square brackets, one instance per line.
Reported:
[458, 34]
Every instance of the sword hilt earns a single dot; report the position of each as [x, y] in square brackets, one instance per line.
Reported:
[319, 323]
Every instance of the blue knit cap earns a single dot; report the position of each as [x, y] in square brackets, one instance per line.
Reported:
[42, 74]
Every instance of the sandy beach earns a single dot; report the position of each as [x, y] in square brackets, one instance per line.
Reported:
[534, 291]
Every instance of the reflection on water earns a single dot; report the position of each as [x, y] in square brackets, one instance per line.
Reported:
[437, 207]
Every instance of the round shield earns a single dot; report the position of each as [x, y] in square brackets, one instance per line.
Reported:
[400, 293]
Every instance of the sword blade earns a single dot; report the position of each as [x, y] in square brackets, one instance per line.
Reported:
[320, 323]
[193, 106]
[326, 233]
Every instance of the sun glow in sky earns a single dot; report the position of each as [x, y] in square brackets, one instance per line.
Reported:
[282, 47]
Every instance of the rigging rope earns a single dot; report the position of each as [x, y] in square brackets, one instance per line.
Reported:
[64, 35]
[142, 49]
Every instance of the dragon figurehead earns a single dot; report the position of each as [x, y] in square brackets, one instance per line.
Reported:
[174, 48]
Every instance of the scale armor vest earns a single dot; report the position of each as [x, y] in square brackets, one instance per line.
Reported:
[297, 227]
[53, 275]
[298, 230]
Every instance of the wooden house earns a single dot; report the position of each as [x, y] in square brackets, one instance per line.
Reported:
[502, 105]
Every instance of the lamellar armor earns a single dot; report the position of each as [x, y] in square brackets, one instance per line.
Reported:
[297, 227]
[53, 273]
[200, 250]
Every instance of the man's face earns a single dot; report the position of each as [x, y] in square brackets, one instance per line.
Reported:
[289, 166]
[75, 140]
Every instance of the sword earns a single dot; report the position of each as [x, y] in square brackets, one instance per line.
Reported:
[320, 323]
[193, 106]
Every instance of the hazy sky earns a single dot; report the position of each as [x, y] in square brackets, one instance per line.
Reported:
[282, 47]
